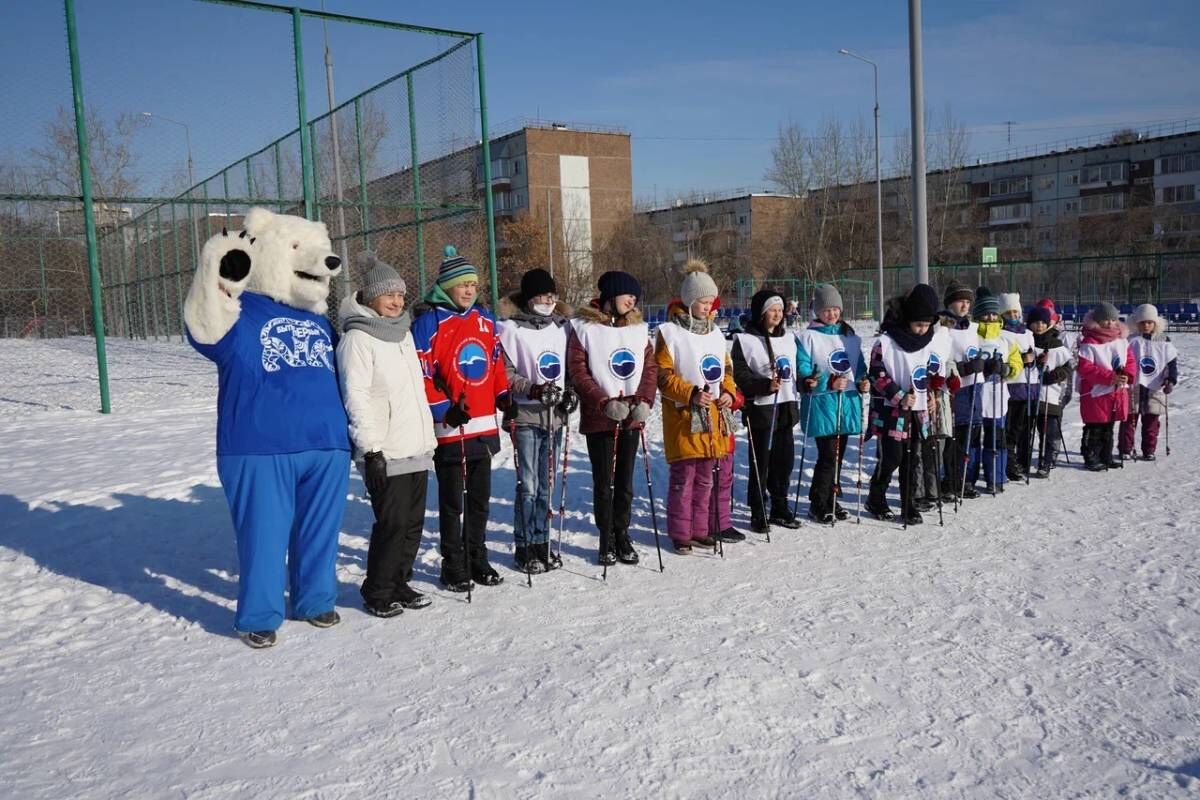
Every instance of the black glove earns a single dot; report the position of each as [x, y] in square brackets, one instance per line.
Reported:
[457, 415]
[375, 473]
[1041, 359]
[550, 394]
[990, 367]
[569, 402]
[971, 366]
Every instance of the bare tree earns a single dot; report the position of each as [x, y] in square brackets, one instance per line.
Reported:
[644, 250]
[56, 160]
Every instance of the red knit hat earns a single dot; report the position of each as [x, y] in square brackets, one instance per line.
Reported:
[1048, 304]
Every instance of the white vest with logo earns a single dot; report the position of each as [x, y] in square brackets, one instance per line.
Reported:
[1151, 357]
[1055, 358]
[616, 356]
[909, 371]
[832, 354]
[539, 354]
[754, 350]
[1024, 343]
[1106, 354]
[697, 358]
[964, 346]
[993, 394]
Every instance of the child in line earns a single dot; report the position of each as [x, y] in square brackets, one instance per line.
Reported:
[1157, 364]
[1054, 368]
[695, 376]
[610, 362]
[955, 317]
[764, 370]
[1106, 368]
[391, 428]
[465, 383]
[998, 360]
[1022, 389]
[899, 380]
[533, 330]
[829, 355]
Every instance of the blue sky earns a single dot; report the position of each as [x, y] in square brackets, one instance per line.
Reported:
[702, 86]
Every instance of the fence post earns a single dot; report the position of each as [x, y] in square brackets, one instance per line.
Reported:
[178, 270]
[363, 212]
[487, 173]
[89, 222]
[416, 184]
[162, 275]
[306, 164]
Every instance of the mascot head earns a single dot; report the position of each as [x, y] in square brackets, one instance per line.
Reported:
[293, 259]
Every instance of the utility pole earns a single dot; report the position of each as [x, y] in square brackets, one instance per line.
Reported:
[920, 232]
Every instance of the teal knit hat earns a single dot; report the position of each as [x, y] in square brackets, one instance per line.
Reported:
[454, 270]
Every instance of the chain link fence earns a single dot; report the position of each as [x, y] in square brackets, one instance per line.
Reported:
[182, 134]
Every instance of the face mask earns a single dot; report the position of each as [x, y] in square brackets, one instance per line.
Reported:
[543, 309]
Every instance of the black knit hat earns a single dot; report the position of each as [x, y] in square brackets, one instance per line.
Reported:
[920, 304]
[615, 283]
[956, 291]
[1039, 314]
[758, 303]
[985, 303]
[537, 281]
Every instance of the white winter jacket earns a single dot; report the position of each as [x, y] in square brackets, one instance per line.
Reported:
[384, 393]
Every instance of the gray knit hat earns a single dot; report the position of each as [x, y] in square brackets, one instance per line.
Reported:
[1105, 312]
[826, 295]
[1146, 312]
[377, 277]
[697, 282]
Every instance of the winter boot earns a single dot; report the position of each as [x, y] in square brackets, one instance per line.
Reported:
[758, 526]
[880, 511]
[913, 518]
[626, 553]
[705, 541]
[1148, 457]
[326, 619]
[258, 639]
[392, 608]
[1106, 438]
[455, 583]
[525, 561]
[542, 552]
[820, 517]
[784, 519]
[840, 513]
[410, 598]
[681, 547]
[731, 536]
[484, 575]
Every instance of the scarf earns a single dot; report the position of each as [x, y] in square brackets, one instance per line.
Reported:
[386, 329]
[1048, 340]
[1104, 335]
[692, 324]
[902, 335]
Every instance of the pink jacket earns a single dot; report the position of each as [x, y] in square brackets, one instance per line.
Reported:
[1111, 407]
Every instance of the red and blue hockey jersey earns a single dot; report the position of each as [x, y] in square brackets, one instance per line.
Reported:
[460, 356]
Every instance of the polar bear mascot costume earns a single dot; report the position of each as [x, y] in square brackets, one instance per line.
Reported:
[256, 308]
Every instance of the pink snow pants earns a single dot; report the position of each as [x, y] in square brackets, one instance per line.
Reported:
[694, 509]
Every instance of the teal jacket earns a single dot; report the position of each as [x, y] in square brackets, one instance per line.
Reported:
[819, 409]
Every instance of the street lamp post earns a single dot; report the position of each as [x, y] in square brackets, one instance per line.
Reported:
[187, 133]
[879, 301]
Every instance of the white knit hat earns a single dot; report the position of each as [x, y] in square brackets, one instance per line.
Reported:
[697, 282]
[1010, 302]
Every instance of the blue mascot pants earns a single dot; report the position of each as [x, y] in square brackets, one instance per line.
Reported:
[287, 510]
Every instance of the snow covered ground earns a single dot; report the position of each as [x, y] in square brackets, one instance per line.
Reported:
[1042, 644]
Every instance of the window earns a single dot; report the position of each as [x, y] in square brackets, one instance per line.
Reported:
[1105, 173]
[1014, 238]
[1181, 223]
[1009, 186]
[1046, 183]
[958, 193]
[741, 219]
[517, 166]
[1015, 212]
[1072, 179]
[518, 199]
[1070, 206]
[1101, 203]
[1184, 162]
[1177, 194]
[1045, 235]
[1045, 209]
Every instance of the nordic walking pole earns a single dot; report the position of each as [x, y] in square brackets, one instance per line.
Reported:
[862, 434]
[996, 410]
[650, 491]
[1063, 441]
[837, 460]
[462, 460]
[906, 476]
[562, 497]
[803, 454]
[720, 545]
[512, 432]
[966, 456]
[762, 505]
[1167, 421]
[612, 493]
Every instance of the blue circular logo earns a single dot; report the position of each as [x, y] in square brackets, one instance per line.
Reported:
[935, 364]
[623, 363]
[972, 352]
[1149, 365]
[711, 368]
[920, 378]
[549, 366]
[472, 362]
[783, 368]
[839, 362]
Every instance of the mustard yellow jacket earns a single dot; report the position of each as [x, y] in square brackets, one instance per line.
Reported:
[677, 411]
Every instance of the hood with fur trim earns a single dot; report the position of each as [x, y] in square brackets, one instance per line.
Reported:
[1091, 330]
[591, 314]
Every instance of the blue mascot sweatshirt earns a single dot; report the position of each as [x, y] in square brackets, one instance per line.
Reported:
[277, 378]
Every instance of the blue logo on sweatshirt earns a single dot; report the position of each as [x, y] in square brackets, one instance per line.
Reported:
[549, 366]
[472, 362]
[1148, 365]
[920, 378]
[623, 363]
[711, 368]
[972, 352]
[935, 364]
[783, 368]
[839, 362]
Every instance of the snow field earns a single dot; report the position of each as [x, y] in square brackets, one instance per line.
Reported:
[1041, 644]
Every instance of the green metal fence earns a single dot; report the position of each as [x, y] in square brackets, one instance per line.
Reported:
[90, 243]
